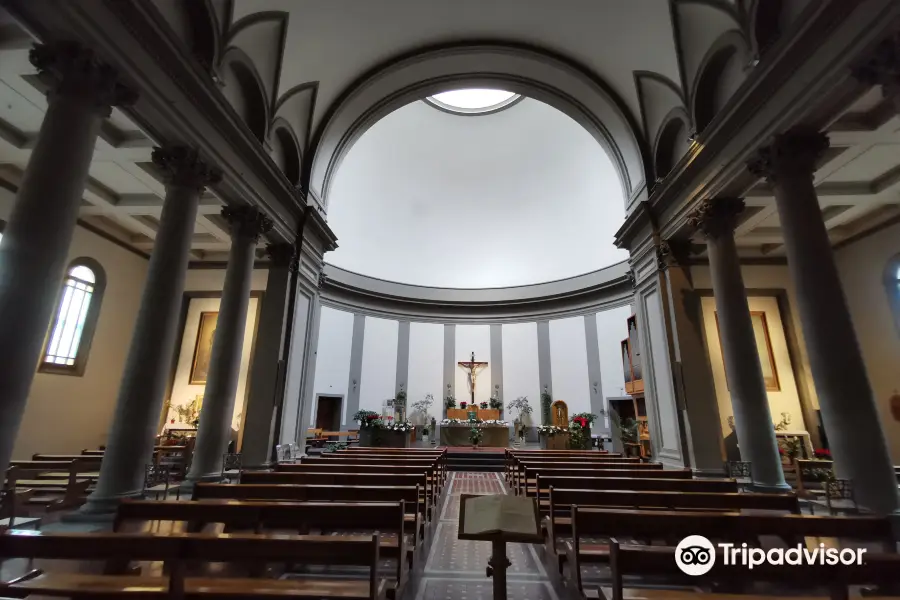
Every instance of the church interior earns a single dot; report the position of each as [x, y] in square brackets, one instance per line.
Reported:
[432, 300]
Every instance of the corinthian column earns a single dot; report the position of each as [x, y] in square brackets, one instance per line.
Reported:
[37, 238]
[845, 395]
[247, 224]
[144, 380]
[752, 418]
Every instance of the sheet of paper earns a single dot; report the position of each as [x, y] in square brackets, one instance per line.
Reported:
[499, 514]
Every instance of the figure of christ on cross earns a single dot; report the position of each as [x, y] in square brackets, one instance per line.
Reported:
[472, 369]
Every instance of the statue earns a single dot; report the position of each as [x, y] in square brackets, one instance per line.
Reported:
[560, 412]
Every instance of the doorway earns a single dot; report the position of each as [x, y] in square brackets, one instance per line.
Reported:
[328, 413]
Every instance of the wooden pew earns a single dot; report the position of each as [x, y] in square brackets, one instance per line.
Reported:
[325, 518]
[435, 465]
[559, 521]
[348, 475]
[178, 551]
[637, 484]
[732, 527]
[518, 476]
[534, 477]
[409, 495]
[66, 489]
[659, 562]
[513, 457]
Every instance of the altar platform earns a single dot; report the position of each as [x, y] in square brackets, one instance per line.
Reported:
[457, 435]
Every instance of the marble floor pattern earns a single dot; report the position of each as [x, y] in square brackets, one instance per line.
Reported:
[455, 569]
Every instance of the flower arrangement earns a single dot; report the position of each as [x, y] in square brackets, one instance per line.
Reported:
[551, 430]
[483, 405]
[579, 438]
[495, 423]
[822, 453]
[400, 426]
[476, 422]
[584, 419]
[422, 406]
[453, 422]
[475, 435]
[495, 403]
[463, 405]
[450, 402]
[369, 419]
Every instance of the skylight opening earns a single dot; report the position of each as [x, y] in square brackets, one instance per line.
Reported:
[473, 101]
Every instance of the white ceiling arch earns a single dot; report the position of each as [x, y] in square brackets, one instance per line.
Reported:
[527, 71]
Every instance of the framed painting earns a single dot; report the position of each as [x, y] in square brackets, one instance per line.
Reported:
[206, 332]
[763, 348]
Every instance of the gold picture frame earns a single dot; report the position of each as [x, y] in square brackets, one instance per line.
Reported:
[763, 347]
[206, 331]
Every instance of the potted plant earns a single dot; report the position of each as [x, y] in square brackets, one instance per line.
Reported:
[546, 402]
[523, 409]
[420, 409]
[475, 436]
[629, 433]
[580, 431]
[463, 405]
[483, 405]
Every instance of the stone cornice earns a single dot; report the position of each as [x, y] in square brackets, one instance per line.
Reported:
[179, 102]
[585, 294]
[822, 47]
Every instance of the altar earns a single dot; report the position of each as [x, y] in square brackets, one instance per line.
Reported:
[457, 434]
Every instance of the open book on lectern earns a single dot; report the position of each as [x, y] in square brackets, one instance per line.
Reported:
[500, 514]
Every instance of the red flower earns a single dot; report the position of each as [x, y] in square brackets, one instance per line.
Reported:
[781, 451]
[581, 421]
[823, 453]
[172, 421]
[390, 418]
[371, 417]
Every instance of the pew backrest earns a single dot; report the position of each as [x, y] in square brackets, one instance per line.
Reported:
[563, 499]
[638, 484]
[538, 475]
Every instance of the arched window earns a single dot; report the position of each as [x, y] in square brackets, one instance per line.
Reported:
[69, 339]
[892, 287]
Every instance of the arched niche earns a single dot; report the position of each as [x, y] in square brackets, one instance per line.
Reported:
[721, 74]
[204, 39]
[285, 150]
[244, 91]
[765, 24]
[539, 75]
[672, 141]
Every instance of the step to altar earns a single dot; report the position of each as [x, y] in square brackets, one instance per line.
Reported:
[461, 460]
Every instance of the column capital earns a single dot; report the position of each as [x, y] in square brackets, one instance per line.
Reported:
[632, 278]
[246, 221]
[281, 255]
[717, 216]
[72, 69]
[794, 153]
[182, 166]
[673, 252]
[883, 68]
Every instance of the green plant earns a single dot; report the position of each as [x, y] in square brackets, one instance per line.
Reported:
[335, 446]
[495, 403]
[450, 402]
[422, 406]
[782, 425]
[475, 435]
[792, 447]
[521, 406]
[365, 415]
[551, 430]
[629, 429]
[546, 401]
[579, 432]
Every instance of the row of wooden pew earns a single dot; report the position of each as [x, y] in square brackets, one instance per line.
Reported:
[310, 514]
[598, 509]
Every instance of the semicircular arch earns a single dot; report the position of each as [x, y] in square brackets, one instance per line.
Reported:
[244, 90]
[539, 75]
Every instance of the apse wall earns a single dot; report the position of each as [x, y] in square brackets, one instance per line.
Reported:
[577, 360]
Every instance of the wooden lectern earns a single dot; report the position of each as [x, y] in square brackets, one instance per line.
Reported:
[499, 518]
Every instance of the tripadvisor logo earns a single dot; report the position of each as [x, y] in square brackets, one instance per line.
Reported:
[695, 555]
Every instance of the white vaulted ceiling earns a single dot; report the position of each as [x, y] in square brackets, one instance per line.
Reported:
[521, 196]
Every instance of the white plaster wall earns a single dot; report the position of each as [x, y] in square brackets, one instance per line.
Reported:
[213, 280]
[67, 414]
[426, 365]
[473, 338]
[520, 366]
[568, 363]
[612, 328]
[862, 266]
[379, 363]
[182, 390]
[333, 357]
[771, 277]
[784, 400]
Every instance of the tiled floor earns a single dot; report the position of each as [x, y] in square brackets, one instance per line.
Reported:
[455, 569]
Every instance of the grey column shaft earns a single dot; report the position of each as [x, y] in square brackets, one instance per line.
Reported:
[849, 411]
[401, 379]
[752, 417]
[545, 372]
[39, 232]
[496, 362]
[595, 379]
[449, 364]
[354, 382]
[130, 444]
[218, 399]
[257, 440]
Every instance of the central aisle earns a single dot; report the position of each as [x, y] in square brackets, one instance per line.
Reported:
[455, 569]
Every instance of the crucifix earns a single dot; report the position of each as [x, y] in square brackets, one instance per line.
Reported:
[472, 368]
